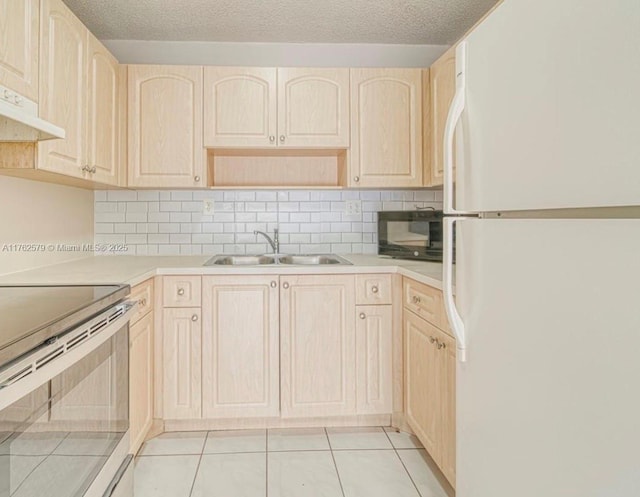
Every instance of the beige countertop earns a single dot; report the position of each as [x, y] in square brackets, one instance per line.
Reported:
[135, 269]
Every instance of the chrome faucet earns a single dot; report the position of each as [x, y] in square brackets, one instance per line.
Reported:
[274, 242]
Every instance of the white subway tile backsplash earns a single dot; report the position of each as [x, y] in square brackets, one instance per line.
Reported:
[310, 221]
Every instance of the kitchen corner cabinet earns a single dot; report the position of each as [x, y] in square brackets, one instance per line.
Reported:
[19, 52]
[182, 365]
[165, 127]
[317, 337]
[269, 107]
[443, 89]
[386, 128]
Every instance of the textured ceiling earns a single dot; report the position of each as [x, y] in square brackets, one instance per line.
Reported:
[290, 21]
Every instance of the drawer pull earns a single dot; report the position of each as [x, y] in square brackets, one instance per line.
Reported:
[194, 318]
[374, 289]
[415, 299]
[181, 291]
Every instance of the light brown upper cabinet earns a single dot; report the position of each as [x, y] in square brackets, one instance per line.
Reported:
[313, 107]
[386, 124]
[443, 89]
[19, 34]
[165, 126]
[79, 92]
[268, 107]
[240, 107]
[63, 89]
[103, 129]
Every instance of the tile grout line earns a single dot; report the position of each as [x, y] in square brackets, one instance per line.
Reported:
[335, 465]
[195, 475]
[402, 462]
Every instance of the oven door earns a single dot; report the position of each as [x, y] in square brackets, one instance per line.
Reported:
[65, 430]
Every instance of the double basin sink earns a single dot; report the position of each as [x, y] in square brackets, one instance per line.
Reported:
[259, 260]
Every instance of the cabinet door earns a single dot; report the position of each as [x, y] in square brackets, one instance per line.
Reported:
[313, 107]
[447, 385]
[165, 126]
[103, 116]
[19, 34]
[63, 88]
[373, 359]
[421, 383]
[317, 330]
[182, 337]
[140, 380]
[443, 89]
[240, 107]
[240, 347]
[386, 123]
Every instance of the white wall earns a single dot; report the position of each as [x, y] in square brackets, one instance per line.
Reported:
[32, 212]
[274, 54]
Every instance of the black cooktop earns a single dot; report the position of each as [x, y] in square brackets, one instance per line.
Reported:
[29, 315]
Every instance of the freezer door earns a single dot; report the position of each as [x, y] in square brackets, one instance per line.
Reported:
[548, 400]
[552, 111]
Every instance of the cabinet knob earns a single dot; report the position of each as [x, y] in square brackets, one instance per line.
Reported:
[441, 345]
[281, 138]
[272, 138]
[86, 168]
[180, 291]
[273, 284]
[94, 169]
[431, 339]
[142, 302]
[363, 315]
[194, 318]
[374, 289]
[196, 179]
[285, 285]
[415, 299]
[356, 179]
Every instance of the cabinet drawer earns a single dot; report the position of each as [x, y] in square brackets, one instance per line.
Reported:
[181, 291]
[143, 295]
[373, 289]
[424, 300]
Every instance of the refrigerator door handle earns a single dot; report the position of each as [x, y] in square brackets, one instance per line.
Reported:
[455, 320]
[455, 112]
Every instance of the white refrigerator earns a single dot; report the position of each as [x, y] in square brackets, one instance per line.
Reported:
[544, 133]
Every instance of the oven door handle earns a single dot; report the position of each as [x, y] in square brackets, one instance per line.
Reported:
[46, 362]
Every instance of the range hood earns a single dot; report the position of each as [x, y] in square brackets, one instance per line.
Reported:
[19, 121]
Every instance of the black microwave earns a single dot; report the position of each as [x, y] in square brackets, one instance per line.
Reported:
[411, 234]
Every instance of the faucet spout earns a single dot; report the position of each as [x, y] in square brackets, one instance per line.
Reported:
[274, 242]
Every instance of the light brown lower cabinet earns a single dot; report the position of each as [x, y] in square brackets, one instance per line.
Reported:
[430, 356]
[140, 380]
[240, 346]
[182, 363]
[317, 338]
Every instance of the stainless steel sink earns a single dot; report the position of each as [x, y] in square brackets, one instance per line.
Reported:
[291, 260]
[240, 260]
[312, 260]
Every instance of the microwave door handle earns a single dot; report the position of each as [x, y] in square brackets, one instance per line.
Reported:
[455, 320]
[455, 113]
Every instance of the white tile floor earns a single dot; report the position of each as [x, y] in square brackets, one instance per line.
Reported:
[305, 462]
